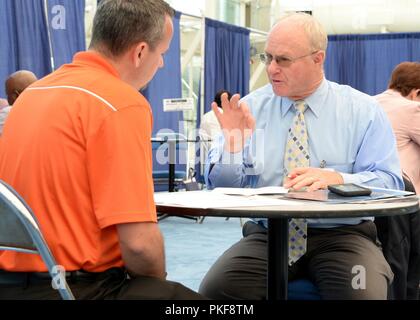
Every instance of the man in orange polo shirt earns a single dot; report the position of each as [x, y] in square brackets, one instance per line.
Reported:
[77, 148]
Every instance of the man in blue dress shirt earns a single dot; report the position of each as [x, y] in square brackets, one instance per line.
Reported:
[349, 140]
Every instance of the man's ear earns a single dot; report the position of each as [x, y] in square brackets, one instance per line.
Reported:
[140, 50]
[319, 57]
[414, 94]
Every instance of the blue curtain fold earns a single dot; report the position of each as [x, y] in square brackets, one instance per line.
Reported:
[365, 62]
[23, 39]
[67, 29]
[227, 60]
[167, 84]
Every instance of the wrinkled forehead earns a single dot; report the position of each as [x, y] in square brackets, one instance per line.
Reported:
[287, 38]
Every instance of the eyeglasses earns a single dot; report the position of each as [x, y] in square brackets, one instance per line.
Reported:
[282, 61]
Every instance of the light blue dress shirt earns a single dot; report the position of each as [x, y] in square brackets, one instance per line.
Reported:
[348, 132]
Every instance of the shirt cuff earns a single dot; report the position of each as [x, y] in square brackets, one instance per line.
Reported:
[350, 178]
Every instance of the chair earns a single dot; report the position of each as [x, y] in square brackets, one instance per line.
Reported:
[19, 231]
[161, 176]
[303, 289]
[400, 239]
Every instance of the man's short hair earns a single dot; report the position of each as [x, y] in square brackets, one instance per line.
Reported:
[218, 97]
[315, 31]
[120, 24]
[405, 78]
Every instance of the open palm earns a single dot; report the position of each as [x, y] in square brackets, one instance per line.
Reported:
[236, 121]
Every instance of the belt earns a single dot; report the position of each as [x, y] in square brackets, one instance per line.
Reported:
[25, 278]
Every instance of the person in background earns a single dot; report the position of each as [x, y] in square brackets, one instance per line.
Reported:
[401, 103]
[210, 127]
[303, 131]
[17, 82]
[3, 103]
[76, 147]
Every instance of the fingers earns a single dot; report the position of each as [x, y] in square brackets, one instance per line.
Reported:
[250, 122]
[300, 182]
[231, 105]
[249, 118]
[216, 108]
[234, 101]
[298, 171]
[217, 112]
[312, 182]
[317, 186]
[225, 102]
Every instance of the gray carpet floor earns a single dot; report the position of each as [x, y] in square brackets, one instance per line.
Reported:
[191, 248]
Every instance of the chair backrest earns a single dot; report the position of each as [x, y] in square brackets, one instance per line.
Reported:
[161, 157]
[408, 185]
[19, 231]
[400, 239]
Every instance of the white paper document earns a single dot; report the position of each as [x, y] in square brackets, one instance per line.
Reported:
[251, 191]
[210, 199]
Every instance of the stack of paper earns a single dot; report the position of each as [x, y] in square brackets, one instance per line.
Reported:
[251, 191]
[210, 199]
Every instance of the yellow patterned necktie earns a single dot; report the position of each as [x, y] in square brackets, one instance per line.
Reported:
[296, 156]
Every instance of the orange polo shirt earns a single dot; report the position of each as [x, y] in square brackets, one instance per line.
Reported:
[77, 148]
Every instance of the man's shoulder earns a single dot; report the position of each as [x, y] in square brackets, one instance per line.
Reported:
[352, 96]
[260, 97]
[96, 86]
[264, 91]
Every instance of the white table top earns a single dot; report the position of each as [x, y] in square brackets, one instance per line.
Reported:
[296, 209]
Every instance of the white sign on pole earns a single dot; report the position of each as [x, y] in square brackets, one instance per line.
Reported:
[181, 104]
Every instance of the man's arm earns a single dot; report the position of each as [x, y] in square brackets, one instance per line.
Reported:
[142, 249]
[376, 163]
[229, 163]
[225, 169]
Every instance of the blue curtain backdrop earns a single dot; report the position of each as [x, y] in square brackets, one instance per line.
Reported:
[365, 62]
[23, 39]
[24, 36]
[67, 29]
[227, 59]
[167, 84]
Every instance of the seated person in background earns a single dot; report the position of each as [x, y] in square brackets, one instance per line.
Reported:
[401, 103]
[303, 131]
[15, 84]
[210, 127]
[3, 103]
[3, 116]
[81, 157]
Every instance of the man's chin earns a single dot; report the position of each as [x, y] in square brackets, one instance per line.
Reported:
[279, 90]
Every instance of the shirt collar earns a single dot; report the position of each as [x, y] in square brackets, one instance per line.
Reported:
[95, 60]
[315, 101]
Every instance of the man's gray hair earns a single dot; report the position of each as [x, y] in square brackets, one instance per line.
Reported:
[317, 35]
[120, 24]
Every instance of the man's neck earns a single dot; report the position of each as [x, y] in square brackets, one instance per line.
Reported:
[119, 65]
[303, 95]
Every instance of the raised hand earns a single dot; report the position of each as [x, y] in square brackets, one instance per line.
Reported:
[236, 121]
